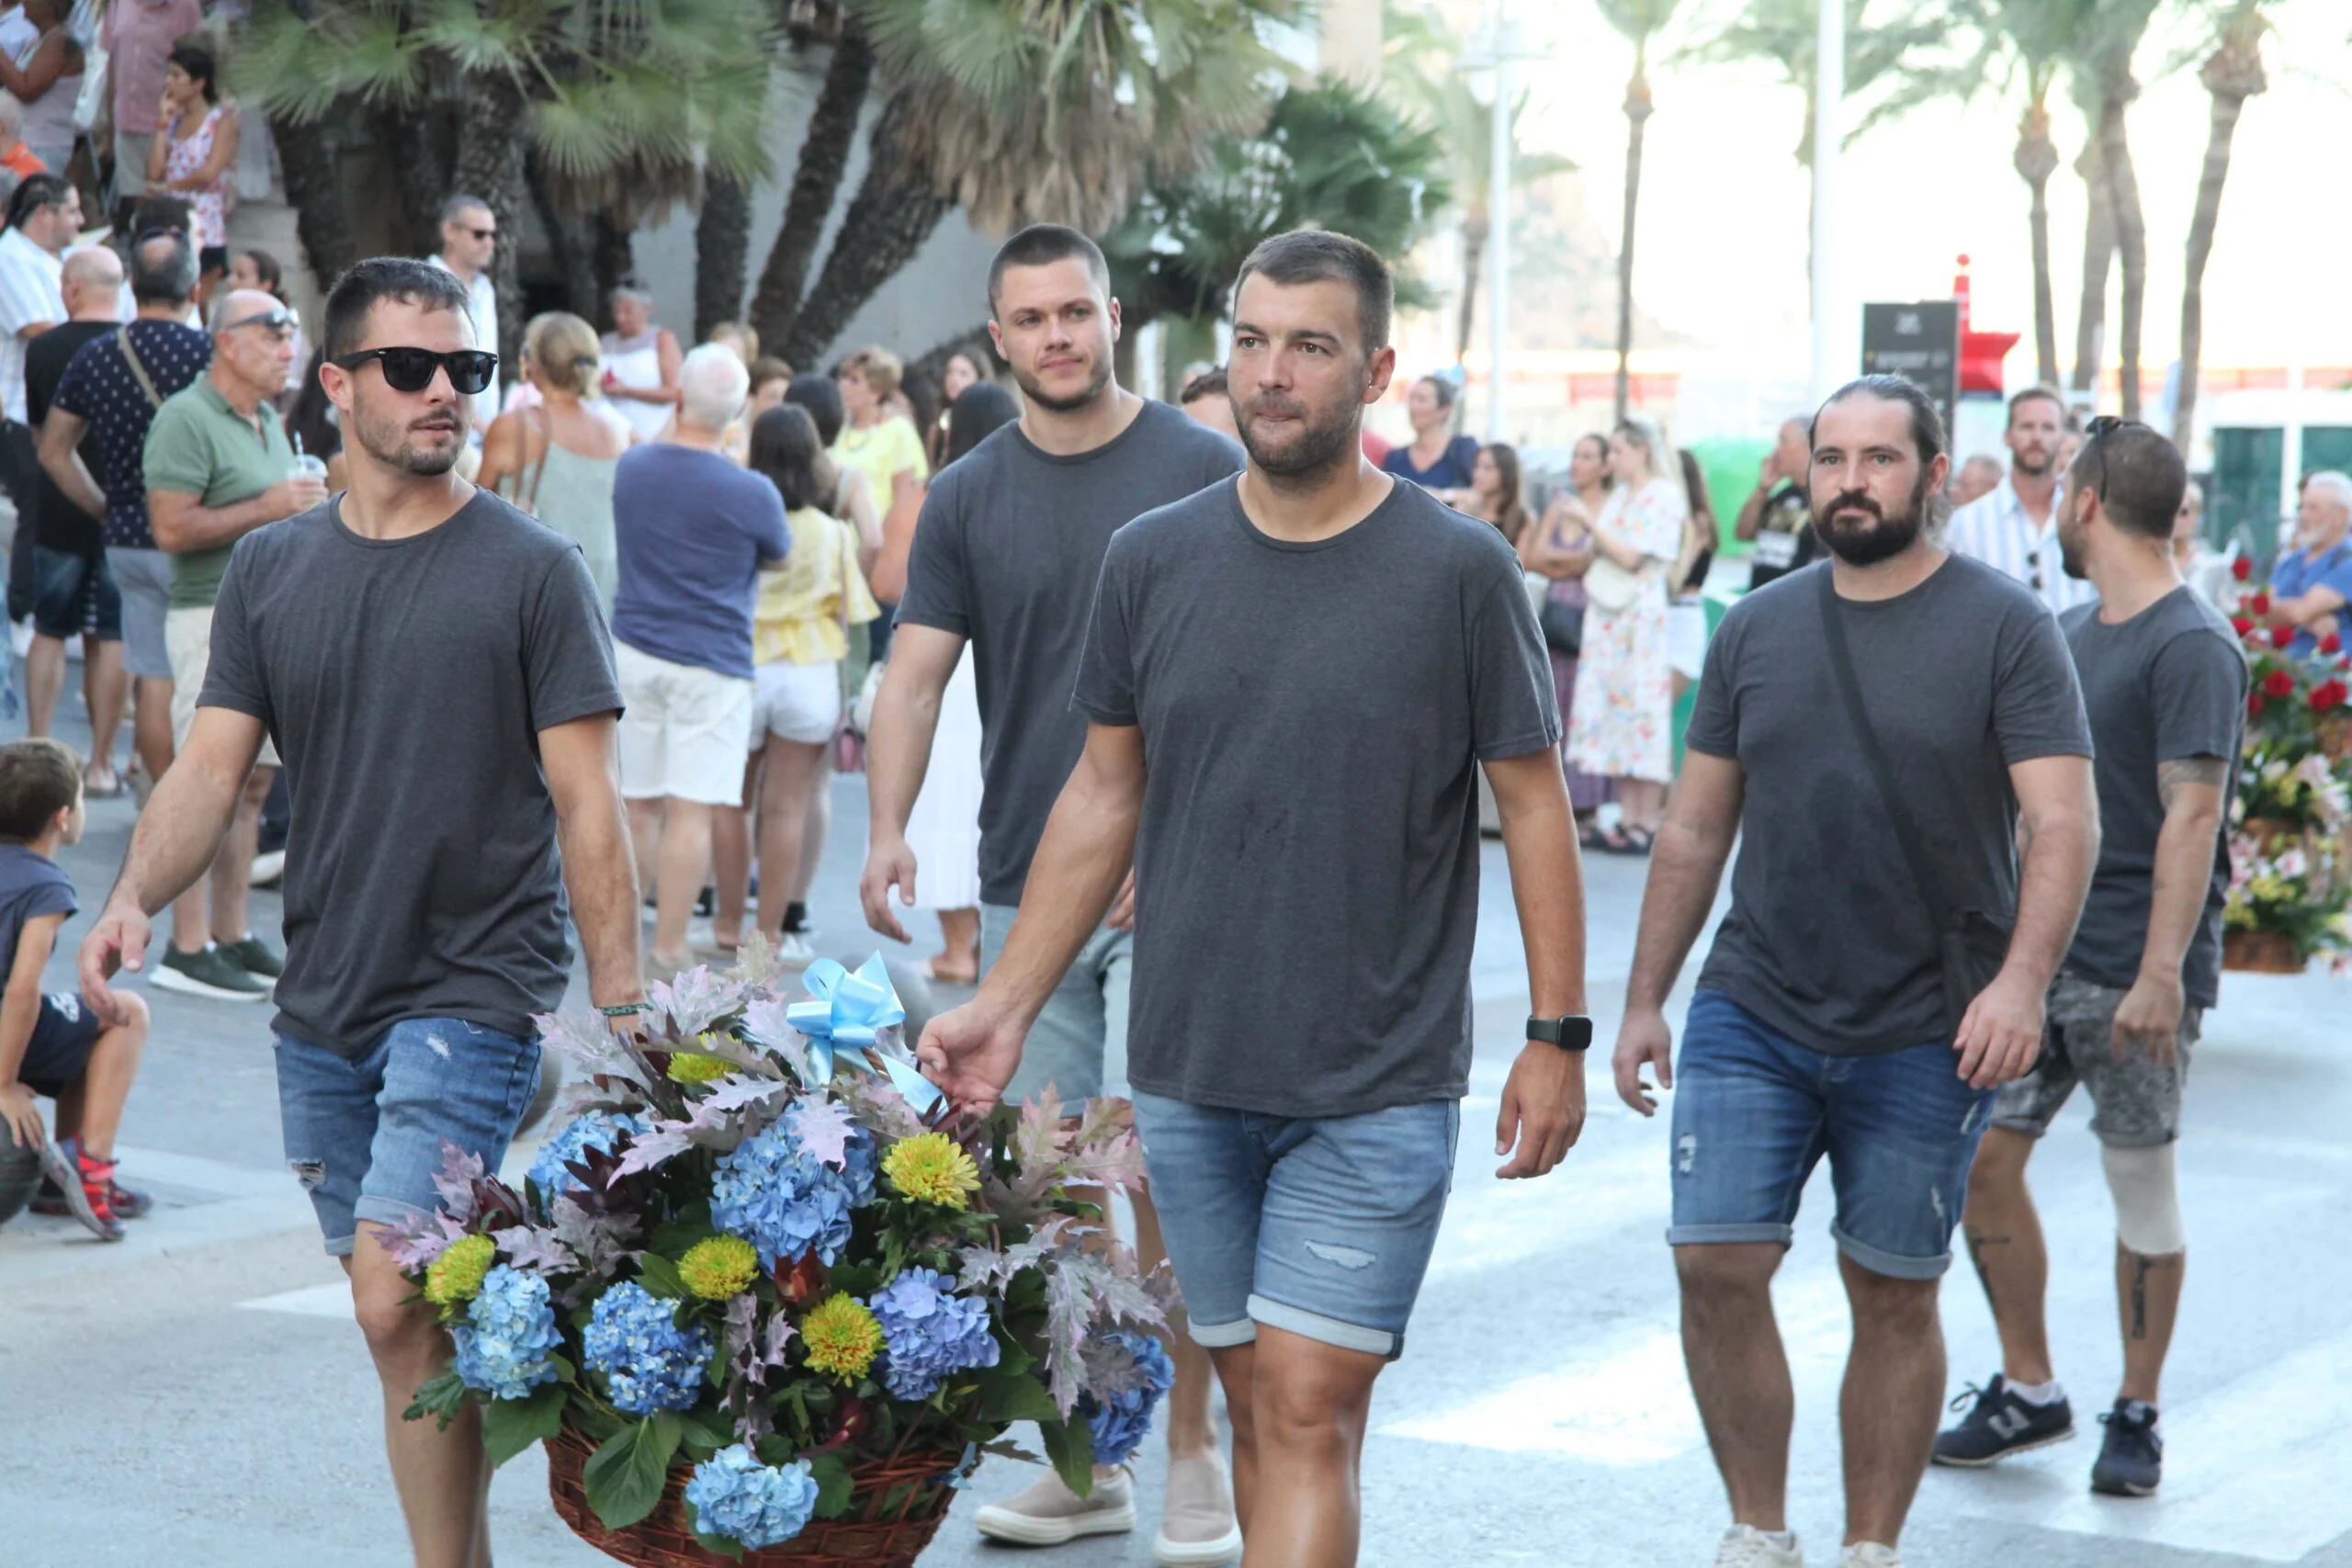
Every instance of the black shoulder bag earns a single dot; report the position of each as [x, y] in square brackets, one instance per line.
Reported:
[1969, 946]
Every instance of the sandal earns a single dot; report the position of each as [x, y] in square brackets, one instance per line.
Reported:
[1637, 840]
[939, 975]
[1594, 840]
[112, 789]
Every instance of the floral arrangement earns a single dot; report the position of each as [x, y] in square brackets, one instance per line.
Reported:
[765, 1248]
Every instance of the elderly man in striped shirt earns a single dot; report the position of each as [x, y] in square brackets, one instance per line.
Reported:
[2014, 530]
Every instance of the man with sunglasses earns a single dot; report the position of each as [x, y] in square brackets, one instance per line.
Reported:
[2014, 529]
[2164, 683]
[468, 245]
[434, 667]
[218, 465]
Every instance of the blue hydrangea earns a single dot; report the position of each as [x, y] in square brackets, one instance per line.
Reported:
[1119, 1423]
[783, 1201]
[758, 1504]
[931, 1332]
[648, 1362]
[595, 1130]
[507, 1335]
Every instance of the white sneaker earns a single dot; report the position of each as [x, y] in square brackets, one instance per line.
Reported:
[1744, 1546]
[793, 952]
[1050, 1514]
[1197, 1528]
[1870, 1554]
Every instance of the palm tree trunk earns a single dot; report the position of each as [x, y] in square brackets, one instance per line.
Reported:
[420, 169]
[892, 215]
[614, 263]
[2036, 160]
[314, 185]
[2098, 260]
[2131, 231]
[816, 183]
[572, 237]
[490, 164]
[1474, 258]
[722, 251]
[2232, 75]
[1637, 112]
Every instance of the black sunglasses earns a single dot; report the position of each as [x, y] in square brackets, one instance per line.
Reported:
[411, 369]
[477, 233]
[2095, 436]
[280, 320]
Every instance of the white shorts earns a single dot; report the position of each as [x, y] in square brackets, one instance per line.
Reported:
[684, 731]
[188, 637]
[796, 702]
[1686, 638]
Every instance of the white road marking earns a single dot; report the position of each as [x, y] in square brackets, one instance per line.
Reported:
[332, 1300]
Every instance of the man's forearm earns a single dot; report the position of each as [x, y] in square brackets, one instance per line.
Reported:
[210, 527]
[18, 1013]
[600, 872]
[1750, 521]
[1090, 842]
[1547, 886]
[2059, 855]
[177, 836]
[61, 461]
[897, 754]
[2182, 878]
[1685, 871]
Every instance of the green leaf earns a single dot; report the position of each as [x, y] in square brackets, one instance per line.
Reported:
[1017, 1396]
[660, 1276]
[624, 1479]
[442, 1397]
[510, 1425]
[713, 1432]
[725, 1546]
[1071, 1448]
[833, 1486]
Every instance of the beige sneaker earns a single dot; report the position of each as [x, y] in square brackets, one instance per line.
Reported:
[1197, 1527]
[1870, 1554]
[1744, 1546]
[1049, 1512]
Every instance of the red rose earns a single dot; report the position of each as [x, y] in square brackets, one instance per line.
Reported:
[2253, 704]
[2259, 604]
[2242, 568]
[2282, 636]
[2331, 643]
[2243, 626]
[2278, 684]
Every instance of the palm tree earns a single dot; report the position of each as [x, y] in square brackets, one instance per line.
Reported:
[1640, 21]
[816, 184]
[2104, 82]
[2232, 74]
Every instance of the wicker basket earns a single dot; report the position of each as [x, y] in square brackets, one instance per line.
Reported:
[860, 1539]
[2260, 953]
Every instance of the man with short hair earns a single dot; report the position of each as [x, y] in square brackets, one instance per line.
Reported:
[2014, 528]
[218, 465]
[1873, 732]
[1010, 544]
[692, 533]
[2164, 683]
[1776, 514]
[433, 664]
[75, 593]
[2311, 583]
[468, 245]
[44, 215]
[1205, 399]
[1318, 658]
[1977, 478]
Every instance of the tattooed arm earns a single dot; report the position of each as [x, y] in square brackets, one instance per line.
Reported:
[2193, 790]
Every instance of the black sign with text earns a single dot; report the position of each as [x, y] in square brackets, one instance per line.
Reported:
[1920, 343]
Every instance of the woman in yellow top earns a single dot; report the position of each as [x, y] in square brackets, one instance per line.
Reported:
[884, 446]
[799, 634]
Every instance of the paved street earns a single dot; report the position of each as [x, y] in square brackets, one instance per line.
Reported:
[198, 1395]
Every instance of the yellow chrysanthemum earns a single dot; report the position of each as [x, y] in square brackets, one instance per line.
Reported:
[693, 1066]
[932, 1168]
[718, 1267]
[841, 1337]
[456, 1276]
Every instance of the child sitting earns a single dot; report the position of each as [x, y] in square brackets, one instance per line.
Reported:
[55, 1045]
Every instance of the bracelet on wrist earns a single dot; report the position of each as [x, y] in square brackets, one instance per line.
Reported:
[626, 1009]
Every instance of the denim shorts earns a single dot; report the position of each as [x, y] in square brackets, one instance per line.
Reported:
[1754, 1112]
[1078, 1047]
[75, 593]
[1321, 1227]
[364, 1136]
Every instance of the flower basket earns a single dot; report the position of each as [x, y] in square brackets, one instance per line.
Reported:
[2272, 833]
[873, 1533]
[2260, 953]
[2334, 733]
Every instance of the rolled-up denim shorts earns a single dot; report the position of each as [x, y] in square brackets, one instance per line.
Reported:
[1078, 1047]
[364, 1136]
[1755, 1112]
[1319, 1226]
[143, 580]
[77, 594]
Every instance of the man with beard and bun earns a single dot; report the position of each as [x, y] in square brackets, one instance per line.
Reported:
[2013, 528]
[2166, 685]
[432, 664]
[1005, 555]
[1291, 681]
[1824, 1022]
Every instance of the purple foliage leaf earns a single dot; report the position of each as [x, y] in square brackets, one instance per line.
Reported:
[534, 1247]
[454, 1180]
[646, 1150]
[823, 1128]
[586, 1039]
[765, 1018]
[697, 999]
[417, 1240]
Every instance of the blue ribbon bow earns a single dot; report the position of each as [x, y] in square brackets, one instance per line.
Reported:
[843, 1020]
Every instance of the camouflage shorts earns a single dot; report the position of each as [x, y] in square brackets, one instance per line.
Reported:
[2136, 1100]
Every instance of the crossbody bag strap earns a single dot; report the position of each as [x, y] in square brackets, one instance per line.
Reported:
[138, 366]
[529, 500]
[1907, 832]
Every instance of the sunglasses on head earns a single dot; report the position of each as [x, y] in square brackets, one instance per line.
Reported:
[2095, 436]
[280, 319]
[411, 369]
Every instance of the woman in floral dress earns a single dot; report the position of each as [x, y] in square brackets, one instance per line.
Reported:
[1624, 700]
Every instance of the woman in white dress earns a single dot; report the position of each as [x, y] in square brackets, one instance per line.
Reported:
[642, 364]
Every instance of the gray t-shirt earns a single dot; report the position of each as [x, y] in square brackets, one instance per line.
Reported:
[1006, 553]
[2168, 684]
[1827, 939]
[406, 681]
[1306, 868]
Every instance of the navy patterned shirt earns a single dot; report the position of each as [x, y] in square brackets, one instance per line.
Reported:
[99, 387]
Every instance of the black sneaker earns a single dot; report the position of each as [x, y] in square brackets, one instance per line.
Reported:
[2131, 1457]
[254, 956]
[2000, 1423]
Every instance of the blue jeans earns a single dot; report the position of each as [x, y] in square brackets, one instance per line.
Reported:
[1321, 1227]
[365, 1136]
[1754, 1112]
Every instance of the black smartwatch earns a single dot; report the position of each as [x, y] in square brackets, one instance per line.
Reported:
[1570, 1032]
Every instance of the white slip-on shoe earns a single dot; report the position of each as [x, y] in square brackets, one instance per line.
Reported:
[1049, 1512]
[1197, 1527]
[1870, 1554]
[1744, 1546]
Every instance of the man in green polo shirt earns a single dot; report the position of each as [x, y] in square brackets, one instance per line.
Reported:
[218, 467]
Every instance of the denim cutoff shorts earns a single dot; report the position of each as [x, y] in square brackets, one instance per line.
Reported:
[365, 1136]
[1319, 1226]
[1755, 1112]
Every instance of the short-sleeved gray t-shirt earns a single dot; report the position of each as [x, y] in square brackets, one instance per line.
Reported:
[1827, 939]
[406, 681]
[2166, 684]
[1006, 553]
[1307, 867]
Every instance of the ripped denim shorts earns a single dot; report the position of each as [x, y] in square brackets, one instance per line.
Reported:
[363, 1134]
[1755, 1112]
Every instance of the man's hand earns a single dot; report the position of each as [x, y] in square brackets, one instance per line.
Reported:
[22, 1115]
[1768, 473]
[889, 863]
[1543, 1109]
[970, 1051]
[117, 941]
[2001, 1034]
[292, 497]
[1122, 908]
[1644, 1041]
[2149, 1020]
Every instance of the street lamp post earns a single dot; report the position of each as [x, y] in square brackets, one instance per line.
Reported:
[1498, 226]
[1829, 369]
